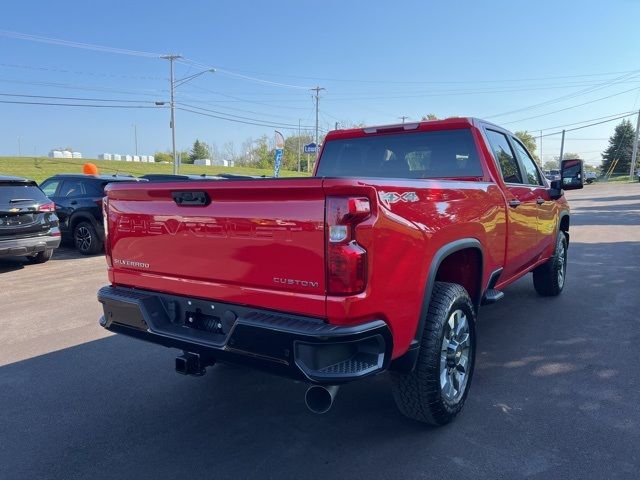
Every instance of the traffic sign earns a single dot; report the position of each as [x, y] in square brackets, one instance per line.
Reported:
[310, 148]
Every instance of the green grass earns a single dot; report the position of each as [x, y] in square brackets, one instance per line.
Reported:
[40, 168]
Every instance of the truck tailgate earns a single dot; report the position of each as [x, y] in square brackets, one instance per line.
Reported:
[255, 241]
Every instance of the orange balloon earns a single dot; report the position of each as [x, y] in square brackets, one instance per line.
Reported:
[90, 169]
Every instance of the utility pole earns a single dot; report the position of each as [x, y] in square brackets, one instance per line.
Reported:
[172, 58]
[634, 155]
[403, 118]
[541, 160]
[135, 136]
[317, 99]
[298, 145]
[561, 150]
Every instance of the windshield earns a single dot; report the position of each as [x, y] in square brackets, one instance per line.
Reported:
[436, 154]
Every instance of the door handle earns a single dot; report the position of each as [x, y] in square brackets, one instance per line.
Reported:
[540, 200]
[514, 203]
[74, 202]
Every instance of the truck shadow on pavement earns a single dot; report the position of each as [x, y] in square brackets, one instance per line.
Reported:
[548, 371]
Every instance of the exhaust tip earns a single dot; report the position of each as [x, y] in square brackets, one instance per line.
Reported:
[319, 399]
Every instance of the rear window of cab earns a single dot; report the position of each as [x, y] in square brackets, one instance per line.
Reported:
[434, 154]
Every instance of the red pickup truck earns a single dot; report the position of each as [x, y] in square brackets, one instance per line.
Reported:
[379, 262]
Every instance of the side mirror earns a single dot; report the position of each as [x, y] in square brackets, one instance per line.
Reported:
[572, 174]
[555, 192]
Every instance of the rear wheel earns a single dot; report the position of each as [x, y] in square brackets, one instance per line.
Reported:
[435, 391]
[549, 278]
[41, 257]
[86, 239]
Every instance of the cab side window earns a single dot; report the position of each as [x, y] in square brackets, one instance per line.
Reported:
[504, 155]
[532, 175]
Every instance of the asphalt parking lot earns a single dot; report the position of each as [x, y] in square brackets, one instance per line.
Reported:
[555, 393]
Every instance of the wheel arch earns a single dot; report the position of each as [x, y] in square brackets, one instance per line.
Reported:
[78, 217]
[564, 220]
[407, 362]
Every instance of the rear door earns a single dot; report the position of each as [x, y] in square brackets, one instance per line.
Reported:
[19, 216]
[522, 211]
[546, 207]
[68, 196]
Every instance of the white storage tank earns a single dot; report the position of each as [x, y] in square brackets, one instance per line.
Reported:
[219, 162]
[76, 155]
[136, 158]
[143, 158]
[127, 158]
[104, 156]
[56, 154]
[116, 157]
[67, 154]
[202, 161]
[150, 158]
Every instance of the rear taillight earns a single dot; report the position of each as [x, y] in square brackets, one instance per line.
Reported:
[346, 260]
[47, 207]
[105, 224]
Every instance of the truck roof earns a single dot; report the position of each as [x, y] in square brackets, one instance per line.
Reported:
[425, 125]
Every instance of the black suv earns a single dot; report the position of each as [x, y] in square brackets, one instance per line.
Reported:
[28, 223]
[78, 200]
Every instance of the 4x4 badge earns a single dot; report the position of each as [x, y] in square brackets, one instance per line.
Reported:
[395, 197]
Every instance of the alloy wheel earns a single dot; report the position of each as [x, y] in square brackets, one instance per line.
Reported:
[455, 355]
[83, 239]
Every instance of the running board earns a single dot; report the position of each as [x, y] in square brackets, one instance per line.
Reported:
[492, 296]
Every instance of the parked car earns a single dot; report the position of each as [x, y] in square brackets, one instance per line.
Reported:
[178, 177]
[590, 177]
[175, 177]
[552, 175]
[379, 262]
[28, 223]
[78, 205]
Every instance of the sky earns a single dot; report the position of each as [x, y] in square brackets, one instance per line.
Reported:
[534, 66]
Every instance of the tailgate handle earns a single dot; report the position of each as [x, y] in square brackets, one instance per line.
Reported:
[191, 198]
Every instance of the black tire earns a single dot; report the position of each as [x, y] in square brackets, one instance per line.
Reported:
[41, 257]
[550, 277]
[420, 394]
[86, 239]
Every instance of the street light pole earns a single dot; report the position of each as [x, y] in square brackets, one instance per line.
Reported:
[172, 85]
[317, 98]
[172, 58]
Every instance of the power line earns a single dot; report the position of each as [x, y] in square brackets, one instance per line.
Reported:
[584, 121]
[244, 77]
[432, 82]
[95, 88]
[590, 125]
[18, 102]
[76, 98]
[79, 72]
[271, 125]
[571, 107]
[238, 116]
[568, 96]
[81, 45]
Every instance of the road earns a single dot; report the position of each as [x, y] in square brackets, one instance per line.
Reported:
[555, 393]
